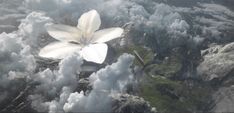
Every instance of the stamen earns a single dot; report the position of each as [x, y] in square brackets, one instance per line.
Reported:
[74, 42]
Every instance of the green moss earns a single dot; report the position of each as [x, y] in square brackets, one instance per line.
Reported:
[172, 96]
[167, 68]
[158, 88]
[150, 90]
[146, 53]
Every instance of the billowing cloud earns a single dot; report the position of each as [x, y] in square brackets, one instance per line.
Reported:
[52, 83]
[111, 79]
[16, 63]
[33, 30]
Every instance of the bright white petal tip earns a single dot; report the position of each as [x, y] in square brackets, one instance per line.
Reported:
[107, 34]
[89, 22]
[59, 50]
[64, 33]
[95, 53]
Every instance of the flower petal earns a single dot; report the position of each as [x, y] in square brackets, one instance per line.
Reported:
[64, 32]
[59, 50]
[89, 22]
[107, 35]
[95, 53]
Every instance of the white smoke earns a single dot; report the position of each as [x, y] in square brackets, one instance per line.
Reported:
[32, 28]
[16, 59]
[16, 62]
[56, 85]
[211, 20]
[60, 86]
[169, 25]
[10, 14]
[111, 79]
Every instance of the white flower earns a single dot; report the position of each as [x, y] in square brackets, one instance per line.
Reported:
[85, 39]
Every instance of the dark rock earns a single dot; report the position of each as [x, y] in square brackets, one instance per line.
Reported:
[83, 85]
[44, 63]
[124, 103]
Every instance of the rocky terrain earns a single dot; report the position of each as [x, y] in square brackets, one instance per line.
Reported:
[217, 68]
[174, 56]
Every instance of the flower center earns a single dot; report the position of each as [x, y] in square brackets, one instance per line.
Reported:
[86, 39]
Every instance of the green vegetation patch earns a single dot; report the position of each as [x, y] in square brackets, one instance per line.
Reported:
[146, 53]
[168, 68]
[173, 96]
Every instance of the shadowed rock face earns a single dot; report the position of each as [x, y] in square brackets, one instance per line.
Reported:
[188, 3]
[224, 100]
[217, 67]
[218, 62]
[124, 103]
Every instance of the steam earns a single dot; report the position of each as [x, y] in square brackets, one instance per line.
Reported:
[107, 81]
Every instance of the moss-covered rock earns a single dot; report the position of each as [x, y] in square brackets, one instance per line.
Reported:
[146, 53]
[168, 68]
[173, 96]
[167, 94]
[150, 91]
[159, 87]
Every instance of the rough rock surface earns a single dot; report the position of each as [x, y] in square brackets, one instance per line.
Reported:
[125, 103]
[218, 66]
[218, 62]
[224, 100]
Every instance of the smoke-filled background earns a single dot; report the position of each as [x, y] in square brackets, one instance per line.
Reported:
[187, 47]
